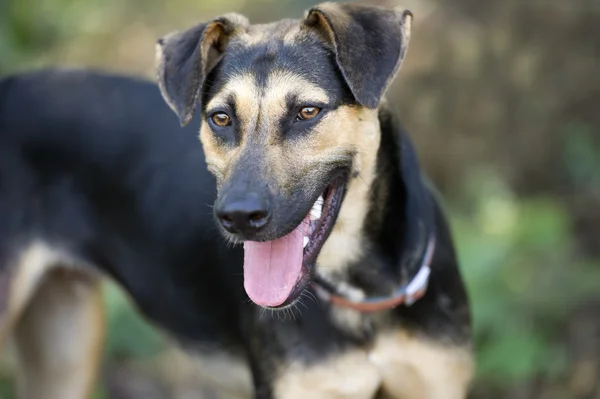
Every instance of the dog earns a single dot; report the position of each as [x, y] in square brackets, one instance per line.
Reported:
[296, 243]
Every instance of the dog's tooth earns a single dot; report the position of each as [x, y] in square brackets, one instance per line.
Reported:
[315, 213]
[305, 242]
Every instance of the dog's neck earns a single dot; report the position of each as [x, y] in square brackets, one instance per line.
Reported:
[385, 221]
[346, 245]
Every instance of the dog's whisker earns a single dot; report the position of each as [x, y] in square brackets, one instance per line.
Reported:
[294, 309]
[301, 302]
[310, 295]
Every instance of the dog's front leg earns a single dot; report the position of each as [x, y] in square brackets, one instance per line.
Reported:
[59, 338]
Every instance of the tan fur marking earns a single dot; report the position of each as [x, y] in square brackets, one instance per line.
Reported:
[357, 128]
[416, 368]
[210, 45]
[282, 82]
[57, 323]
[337, 15]
[348, 376]
[342, 132]
[246, 96]
[29, 269]
[219, 158]
[399, 366]
[257, 114]
[215, 38]
[333, 9]
[60, 338]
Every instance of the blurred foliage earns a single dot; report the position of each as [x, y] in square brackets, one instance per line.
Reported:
[525, 280]
[128, 335]
[502, 102]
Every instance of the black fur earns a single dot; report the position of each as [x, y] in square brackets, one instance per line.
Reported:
[349, 50]
[97, 165]
[310, 59]
[188, 58]
[368, 43]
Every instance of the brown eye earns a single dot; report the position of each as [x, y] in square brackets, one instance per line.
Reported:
[308, 113]
[221, 119]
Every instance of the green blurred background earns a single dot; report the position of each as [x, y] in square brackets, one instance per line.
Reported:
[503, 102]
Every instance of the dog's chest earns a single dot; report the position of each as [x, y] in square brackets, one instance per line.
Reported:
[397, 365]
[414, 367]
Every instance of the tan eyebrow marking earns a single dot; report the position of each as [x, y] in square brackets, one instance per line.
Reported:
[282, 82]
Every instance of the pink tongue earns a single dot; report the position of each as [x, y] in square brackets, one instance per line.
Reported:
[272, 268]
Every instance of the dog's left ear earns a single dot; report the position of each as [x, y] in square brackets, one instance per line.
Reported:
[369, 43]
[185, 58]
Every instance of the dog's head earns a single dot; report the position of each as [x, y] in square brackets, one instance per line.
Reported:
[290, 130]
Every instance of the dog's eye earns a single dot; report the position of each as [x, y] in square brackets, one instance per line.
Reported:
[221, 119]
[307, 113]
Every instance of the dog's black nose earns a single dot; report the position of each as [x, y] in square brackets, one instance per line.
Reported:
[243, 214]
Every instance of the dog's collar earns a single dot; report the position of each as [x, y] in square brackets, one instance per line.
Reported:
[407, 294]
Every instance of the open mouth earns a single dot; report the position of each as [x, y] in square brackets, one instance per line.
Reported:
[277, 272]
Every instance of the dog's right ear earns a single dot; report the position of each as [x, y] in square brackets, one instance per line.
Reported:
[369, 43]
[185, 58]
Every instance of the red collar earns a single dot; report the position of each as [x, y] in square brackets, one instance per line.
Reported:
[407, 294]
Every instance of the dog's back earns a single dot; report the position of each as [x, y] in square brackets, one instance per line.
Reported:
[97, 178]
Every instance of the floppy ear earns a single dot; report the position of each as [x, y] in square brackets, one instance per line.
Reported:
[185, 58]
[369, 43]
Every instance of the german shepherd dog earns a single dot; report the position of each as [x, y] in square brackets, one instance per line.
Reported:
[344, 242]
